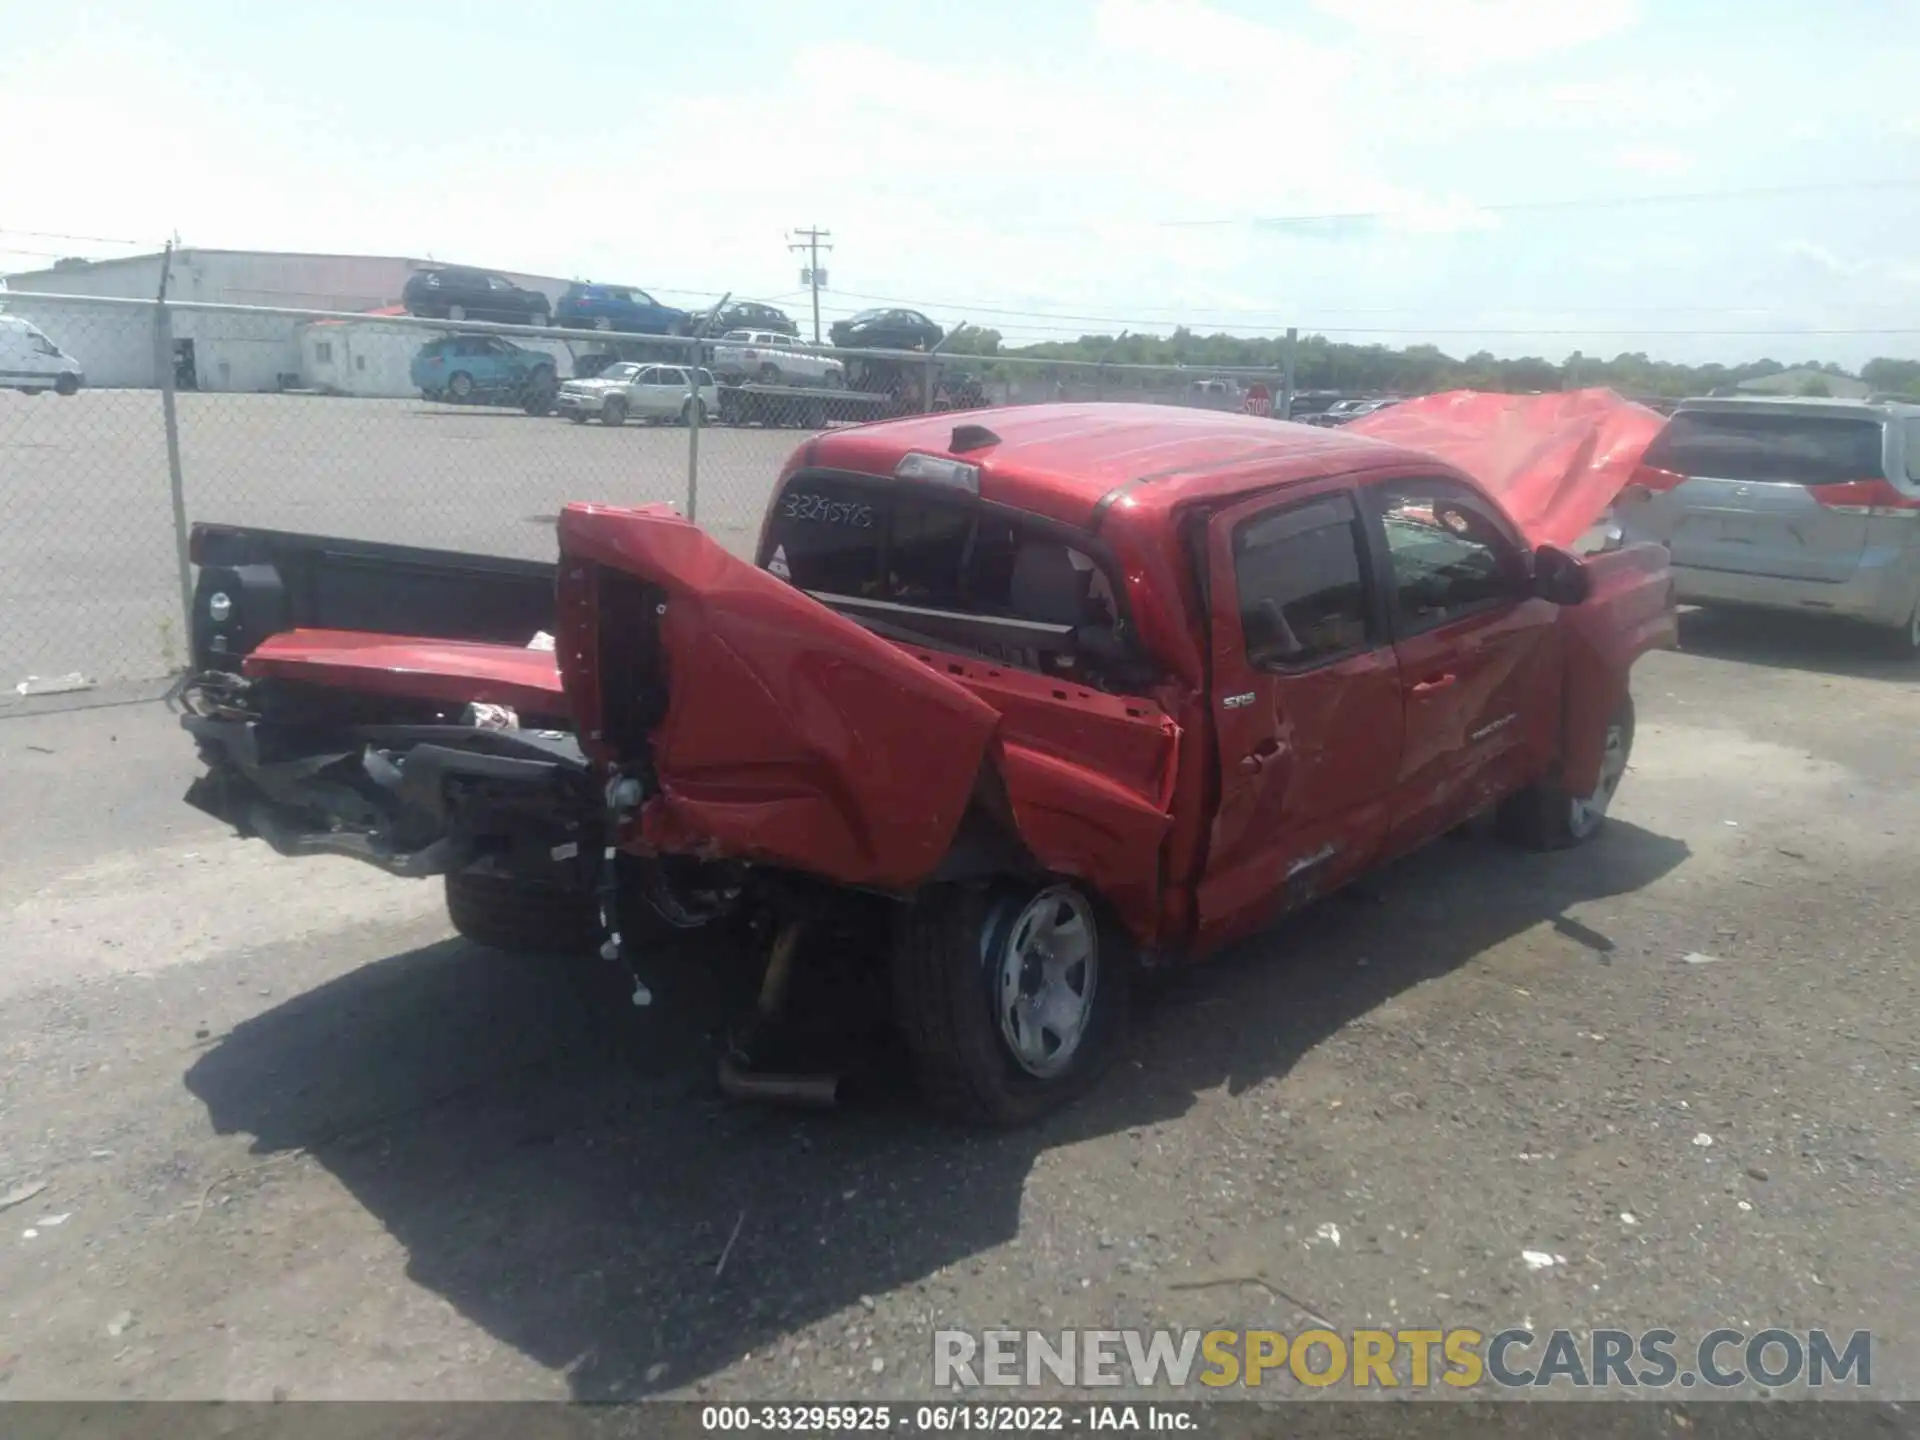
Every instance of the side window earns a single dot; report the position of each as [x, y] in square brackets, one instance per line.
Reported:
[649, 376]
[670, 375]
[1913, 450]
[1448, 554]
[1302, 584]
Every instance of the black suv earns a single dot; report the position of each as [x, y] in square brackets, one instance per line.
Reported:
[452, 292]
[751, 315]
[887, 330]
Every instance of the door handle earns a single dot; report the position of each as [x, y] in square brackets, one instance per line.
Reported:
[1255, 762]
[1432, 683]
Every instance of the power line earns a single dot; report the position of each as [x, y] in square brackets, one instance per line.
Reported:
[1597, 202]
[58, 235]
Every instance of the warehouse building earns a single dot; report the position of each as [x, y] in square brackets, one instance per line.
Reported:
[117, 345]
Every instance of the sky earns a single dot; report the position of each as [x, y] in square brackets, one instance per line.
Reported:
[1472, 174]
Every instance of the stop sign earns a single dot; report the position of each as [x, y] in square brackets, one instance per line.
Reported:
[1259, 400]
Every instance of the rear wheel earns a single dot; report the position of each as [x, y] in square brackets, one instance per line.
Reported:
[834, 380]
[460, 385]
[1013, 1001]
[67, 384]
[1905, 642]
[603, 323]
[769, 374]
[514, 915]
[1547, 816]
[456, 312]
[577, 417]
[614, 411]
[692, 408]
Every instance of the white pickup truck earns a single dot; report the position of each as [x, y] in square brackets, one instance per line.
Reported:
[765, 358]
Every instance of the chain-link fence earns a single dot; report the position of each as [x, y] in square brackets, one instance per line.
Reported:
[453, 435]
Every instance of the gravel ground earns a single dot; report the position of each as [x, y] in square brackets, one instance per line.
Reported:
[88, 574]
[306, 1143]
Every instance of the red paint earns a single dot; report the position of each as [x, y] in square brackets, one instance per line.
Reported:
[1863, 497]
[794, 737]
[1554, 461]
[453, 671]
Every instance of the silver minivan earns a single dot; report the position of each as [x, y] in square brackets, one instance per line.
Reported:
[1789, 504]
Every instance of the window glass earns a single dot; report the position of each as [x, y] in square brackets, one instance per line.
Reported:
[1447, 554]
[1302, 584]
[1913, 449]
[1769, 445]
[875, 543]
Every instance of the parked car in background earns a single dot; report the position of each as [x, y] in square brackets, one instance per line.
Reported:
[619, 307]
[1215, 394]
[767, 358]
[484, 369]
[454, 292]
[640, 392]
[1790, 504]
[752, 315]
[886, 330]
[30, 362]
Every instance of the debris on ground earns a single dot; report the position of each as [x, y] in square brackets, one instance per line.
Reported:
[1703, 1140]
[20, 1194]
[1695, 957]
[1329, 1232]
[53, 684]
[120, 1324]
[49, 1222]
[1538, 1260]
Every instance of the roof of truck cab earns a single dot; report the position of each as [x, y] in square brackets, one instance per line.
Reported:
[1065, 460]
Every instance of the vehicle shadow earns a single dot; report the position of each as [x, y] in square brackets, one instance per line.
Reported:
[1814, 643]
[559, 1169]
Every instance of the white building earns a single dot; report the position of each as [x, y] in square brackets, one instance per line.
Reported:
[116, 344]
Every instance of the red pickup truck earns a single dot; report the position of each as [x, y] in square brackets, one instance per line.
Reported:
[1022, 704]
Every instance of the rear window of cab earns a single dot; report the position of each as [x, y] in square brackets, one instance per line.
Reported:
[1771, 446]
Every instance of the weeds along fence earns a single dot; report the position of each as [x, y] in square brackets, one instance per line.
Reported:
[460, 436]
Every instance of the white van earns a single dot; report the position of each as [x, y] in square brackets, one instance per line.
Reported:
[30, 362]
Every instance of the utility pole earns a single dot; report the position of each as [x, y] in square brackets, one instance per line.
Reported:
[812, 276]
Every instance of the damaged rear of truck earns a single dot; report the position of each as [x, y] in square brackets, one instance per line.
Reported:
[956, 730]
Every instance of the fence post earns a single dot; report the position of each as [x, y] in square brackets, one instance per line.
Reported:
[930, 383]
[695, 404]
[1286, 373]
[170, 420]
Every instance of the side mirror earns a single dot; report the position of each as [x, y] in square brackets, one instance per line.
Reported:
[1559, 576]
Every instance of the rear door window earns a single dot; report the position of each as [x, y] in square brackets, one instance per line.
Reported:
[1769, 446]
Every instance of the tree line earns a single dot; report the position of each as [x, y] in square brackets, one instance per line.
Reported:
[1324, 364]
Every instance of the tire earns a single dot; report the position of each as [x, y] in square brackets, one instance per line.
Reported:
[31, 389]
[1904, 642]
[67, 384]
[576, 417]
[950, 974]
[613, 411]
[520, 918]
[768, 375]
[603, 324]
[1546, 816]
[456, 312]
[539, 392]
[834, 380]
[460, 386]
[687, 411]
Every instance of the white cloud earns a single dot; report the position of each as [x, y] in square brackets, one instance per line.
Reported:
[1651, 160]
[1462, 35]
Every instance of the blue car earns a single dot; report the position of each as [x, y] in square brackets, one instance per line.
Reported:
[618, 307]
[484, 369]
